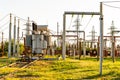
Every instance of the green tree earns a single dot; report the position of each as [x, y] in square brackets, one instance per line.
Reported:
[6, 47]
[21, 48]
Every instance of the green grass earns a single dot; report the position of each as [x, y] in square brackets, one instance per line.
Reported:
[86, 68]
[6, 61]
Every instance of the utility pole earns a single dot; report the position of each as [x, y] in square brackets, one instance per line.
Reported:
[18, 37]
[64, 37]
[101, 36]
[113, 47]
[92, 37]
[84, 45]
[112, 29]
[58, 34]
[112, 32]
[28, 26]
[113, 41]
[64, 26]
[14, 38]
[77, 28]
[9, 46]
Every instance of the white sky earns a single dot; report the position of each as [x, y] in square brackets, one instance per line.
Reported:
[51, 11]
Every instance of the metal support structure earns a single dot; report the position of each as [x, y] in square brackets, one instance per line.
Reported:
[28, 26]
[101, 31]
[77, 28]
[80, 50]
[98, 49]
[64, 38]
[18, 38]
[92, 37]
[58, 34]
[113, 49]
[84, 48]
[64, 26]
[112, 29]
[101, 37]
[14, 38]
[81, 13]
[113, 46]
[9, 46]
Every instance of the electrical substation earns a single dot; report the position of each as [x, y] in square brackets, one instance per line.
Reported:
[39, 41]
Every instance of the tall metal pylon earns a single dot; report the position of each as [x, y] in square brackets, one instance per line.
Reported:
[112, 33]
[18, 37]
[28, 26]
[9, 46]
[14, 38]
[77, 25]
[58, 41]
[92, 37]
[112, 29]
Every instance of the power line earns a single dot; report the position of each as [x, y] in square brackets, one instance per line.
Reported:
[88, 22]
[4, 17]
[21, 18]
[110, 1]
[112, 6]
[1, 26]
[71, 22]
[4, 28]
[53, 32]
[81, 18]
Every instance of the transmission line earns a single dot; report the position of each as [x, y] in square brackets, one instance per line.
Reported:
[1, 26]
[110, 1]
[21, 18]
[4, 28]
[71, 22]
[4, 17]
[88, 22]
[112, 6]
[81, 19]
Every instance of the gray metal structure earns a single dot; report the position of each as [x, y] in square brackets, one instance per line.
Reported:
[38, 43]
[101, 31]
[84, 49]
[28, 42]
[18, 37]
[9, 46]
[14, 39]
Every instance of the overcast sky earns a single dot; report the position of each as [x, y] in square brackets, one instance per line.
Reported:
[51, 11]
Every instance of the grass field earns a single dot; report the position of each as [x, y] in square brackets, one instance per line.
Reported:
[6, 61]
[86, 68]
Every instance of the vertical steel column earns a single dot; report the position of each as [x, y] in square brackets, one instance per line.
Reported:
[113, 47]
[78, 46]
[64, 38]
[98, 50]
[84, 47]
[28, 27]
[18, 38]
[14, 38]
[101, 37]
[9, 46]
[57, 34]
